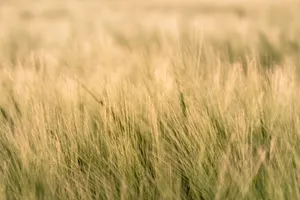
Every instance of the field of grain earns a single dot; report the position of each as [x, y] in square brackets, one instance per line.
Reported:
[149, 99]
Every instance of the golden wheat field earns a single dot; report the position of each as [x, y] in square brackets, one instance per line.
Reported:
[171, 99]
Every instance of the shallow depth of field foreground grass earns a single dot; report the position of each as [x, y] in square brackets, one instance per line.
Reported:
[161, 100]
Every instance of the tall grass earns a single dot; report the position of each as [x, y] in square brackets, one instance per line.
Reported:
[112, 110]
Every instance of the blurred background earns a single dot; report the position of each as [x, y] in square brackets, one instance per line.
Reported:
[232, 30]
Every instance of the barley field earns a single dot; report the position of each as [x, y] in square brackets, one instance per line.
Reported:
[171, 99]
